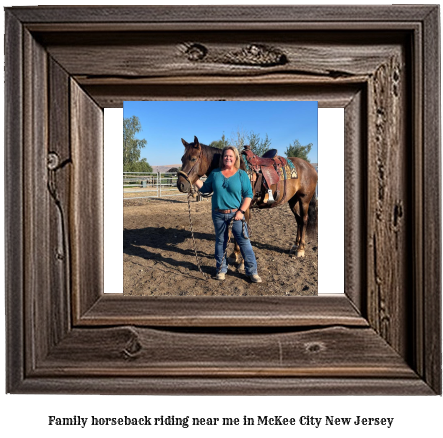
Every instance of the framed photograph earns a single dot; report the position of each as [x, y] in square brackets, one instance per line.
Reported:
[64, 65]
[169, 238]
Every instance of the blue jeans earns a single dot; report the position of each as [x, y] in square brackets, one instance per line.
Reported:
[221, 223]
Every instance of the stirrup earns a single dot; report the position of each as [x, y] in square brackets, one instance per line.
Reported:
[270, 197]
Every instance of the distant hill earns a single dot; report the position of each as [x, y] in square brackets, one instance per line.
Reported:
[164, 168]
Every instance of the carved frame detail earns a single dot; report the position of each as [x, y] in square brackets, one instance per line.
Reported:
[64, 65]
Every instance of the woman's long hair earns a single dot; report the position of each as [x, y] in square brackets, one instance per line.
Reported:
[237, 156]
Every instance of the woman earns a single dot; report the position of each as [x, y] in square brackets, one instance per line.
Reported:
[232, 197]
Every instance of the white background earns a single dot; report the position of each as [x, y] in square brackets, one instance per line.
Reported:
[28, 414]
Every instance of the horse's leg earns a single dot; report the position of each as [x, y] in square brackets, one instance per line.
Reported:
[304, 208]
[299, 224]
[235, 257]
[294, 205]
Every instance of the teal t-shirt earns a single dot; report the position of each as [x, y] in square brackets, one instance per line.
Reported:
[228, 192]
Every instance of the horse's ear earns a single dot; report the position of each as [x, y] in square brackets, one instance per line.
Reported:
[184, 143]
[196, 142]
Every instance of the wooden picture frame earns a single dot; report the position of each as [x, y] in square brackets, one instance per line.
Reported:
[65, 64]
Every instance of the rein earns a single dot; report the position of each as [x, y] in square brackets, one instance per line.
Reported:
[193, 239]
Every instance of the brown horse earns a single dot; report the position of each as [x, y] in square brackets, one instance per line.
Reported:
[199, 160]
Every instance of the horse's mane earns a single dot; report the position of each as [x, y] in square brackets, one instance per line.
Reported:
[212, 156]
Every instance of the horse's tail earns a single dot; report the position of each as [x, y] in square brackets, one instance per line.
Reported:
[312, 226]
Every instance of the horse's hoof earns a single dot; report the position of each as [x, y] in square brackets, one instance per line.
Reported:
[241, 267]
[300, 253]
[293, 249]
[232, 260]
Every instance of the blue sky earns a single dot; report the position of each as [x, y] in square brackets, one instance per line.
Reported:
[165, 123]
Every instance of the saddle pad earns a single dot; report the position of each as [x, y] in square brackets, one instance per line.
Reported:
[290, 169]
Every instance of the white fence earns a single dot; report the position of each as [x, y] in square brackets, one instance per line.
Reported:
[143, 185]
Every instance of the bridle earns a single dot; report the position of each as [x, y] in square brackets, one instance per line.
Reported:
[186, 175]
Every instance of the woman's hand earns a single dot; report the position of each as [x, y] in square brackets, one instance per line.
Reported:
[238, 215]
[244, 206]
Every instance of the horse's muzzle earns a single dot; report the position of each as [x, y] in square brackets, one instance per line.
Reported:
[183, 185]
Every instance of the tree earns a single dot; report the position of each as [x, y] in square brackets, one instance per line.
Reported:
[257, 145]
[132, 147]
[139, 166]
[297, 150]
[240, 138]
[223, 142]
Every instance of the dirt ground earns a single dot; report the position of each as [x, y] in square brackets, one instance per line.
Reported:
[159, 257]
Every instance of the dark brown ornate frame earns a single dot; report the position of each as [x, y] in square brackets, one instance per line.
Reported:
[64, 65]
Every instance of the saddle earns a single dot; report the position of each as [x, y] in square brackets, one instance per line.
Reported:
[265, 172]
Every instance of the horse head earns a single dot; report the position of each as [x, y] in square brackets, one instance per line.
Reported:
[191, 164]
